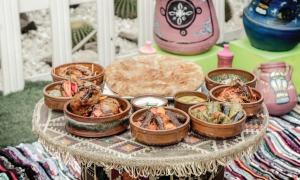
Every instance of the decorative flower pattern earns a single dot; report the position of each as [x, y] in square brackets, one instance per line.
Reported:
[180, 13]
[280, 86]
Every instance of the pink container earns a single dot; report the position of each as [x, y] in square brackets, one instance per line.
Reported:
[274, 82]
[147, 48]
[225, 57]
[185, 27]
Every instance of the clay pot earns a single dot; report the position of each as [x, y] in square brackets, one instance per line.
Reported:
[220, 131]
[251, 109]
[159, 137]
[210, 83]
[185, 106]
[225, 57]
[55, 103]
[98, 79]
[274, 83]
[185, 27]
[273, 25]
[146, 101]
[93, 127]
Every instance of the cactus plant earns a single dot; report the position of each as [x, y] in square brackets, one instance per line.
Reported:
[81, 29]
[126, 8]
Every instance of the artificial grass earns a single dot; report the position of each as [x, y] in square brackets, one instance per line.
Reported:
[16, 111]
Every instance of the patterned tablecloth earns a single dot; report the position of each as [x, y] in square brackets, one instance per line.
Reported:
[196, 155]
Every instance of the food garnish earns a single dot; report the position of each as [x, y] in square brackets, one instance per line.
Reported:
[160, 119]
[76, 71]
[191, 99]
[228, 79]
[91, 103]
[238, 93]
[69, 88]
[148, 101]
[219, 113]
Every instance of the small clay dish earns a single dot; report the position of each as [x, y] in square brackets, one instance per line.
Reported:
[146, 101]
[251, 109]
[159, 137]
[52, 102]
[210, 83]
[185, 106]
[101, 126]
[219, 131]
[97, 79]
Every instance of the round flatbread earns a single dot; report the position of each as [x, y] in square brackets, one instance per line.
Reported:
[153, 74]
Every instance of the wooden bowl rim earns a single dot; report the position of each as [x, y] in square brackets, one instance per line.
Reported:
[161, 132]
[89, 134]
[99, 119]
[243, 104]
[148, 95]
[52, 97]
[74, 63]
[219, 126]
[195, 92]
[207, 77]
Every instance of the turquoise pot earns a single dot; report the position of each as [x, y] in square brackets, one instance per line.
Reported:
[273, 25]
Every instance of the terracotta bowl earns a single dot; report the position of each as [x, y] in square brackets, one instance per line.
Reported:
[136, 106]
[55, 103]
[220, 131]
[185, 106]
[98, 79]
[159, 137]
[250, 108]
[98, 127]
[247, 75]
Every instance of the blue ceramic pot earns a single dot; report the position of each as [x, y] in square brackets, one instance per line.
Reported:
[273, 25]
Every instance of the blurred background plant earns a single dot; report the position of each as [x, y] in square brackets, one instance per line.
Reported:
[80, 30]
[126, 8]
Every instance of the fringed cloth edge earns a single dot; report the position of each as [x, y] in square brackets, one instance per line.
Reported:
[141, 167]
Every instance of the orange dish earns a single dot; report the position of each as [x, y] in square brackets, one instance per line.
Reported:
[238, 93]
[159, 119]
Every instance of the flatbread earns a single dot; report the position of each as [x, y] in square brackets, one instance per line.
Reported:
[153, 74]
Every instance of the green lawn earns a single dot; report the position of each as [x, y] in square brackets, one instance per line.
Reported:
[16, 113]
